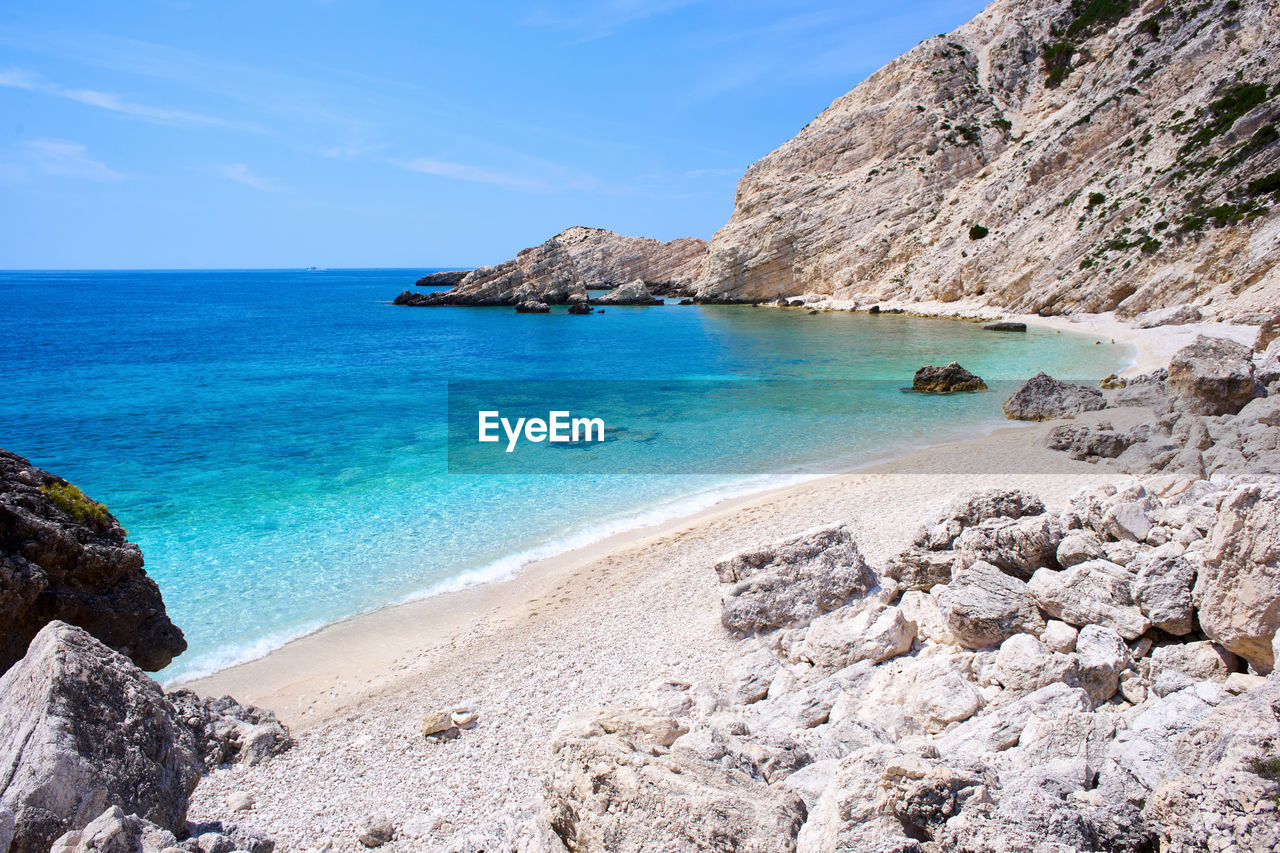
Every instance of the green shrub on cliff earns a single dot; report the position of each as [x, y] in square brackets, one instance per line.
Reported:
[1235, 101]
[977, 232]
[75, 503]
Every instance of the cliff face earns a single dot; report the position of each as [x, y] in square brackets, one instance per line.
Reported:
[570, 262]
[64, 557]
[1048, 156]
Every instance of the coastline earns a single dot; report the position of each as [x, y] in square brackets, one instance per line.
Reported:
[319, 676]
[1152, 348]
[597, 626]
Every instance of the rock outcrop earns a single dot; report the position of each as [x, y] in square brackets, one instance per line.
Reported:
[1213, 376]
[631, 293]
[1043, 398]
[571, 262]
[82, 729]
[444, 278]
[228, 732]
[1048, 156]
[950, 379]
[63, 556]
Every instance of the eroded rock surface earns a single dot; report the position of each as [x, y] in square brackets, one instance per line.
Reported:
[83, 729]
[63, 556]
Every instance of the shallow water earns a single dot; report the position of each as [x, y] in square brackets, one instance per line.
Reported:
[275, 441]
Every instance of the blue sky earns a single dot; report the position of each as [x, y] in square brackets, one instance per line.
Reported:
[287, 133]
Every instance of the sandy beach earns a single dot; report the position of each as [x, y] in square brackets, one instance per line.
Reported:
[593, 627]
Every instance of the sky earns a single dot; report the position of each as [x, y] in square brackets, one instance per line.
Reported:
[401, 133]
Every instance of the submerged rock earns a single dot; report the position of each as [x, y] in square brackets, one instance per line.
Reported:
[63, 556]
[1042, 398]
[83, 729]
[1005, 327]
[951, 379]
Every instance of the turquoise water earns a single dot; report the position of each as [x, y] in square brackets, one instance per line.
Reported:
[275, 441]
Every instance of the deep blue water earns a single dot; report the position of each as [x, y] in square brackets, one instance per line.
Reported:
[275, 440]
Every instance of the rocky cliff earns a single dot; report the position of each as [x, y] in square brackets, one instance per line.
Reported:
[569, 263]
[63, 556]
[1048, 156]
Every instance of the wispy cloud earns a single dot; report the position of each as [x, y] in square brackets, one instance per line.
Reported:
[599, 20]
[54, 157]
[240, 173]
[464, 172]
[27, 81]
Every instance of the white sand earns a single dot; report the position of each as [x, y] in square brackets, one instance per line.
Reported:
[589, 628]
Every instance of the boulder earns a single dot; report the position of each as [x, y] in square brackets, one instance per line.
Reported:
[1059, 636]
[580, 308]
[1092, 442]
[1015, 546]
[920, 569]
[532, 306]
[951, 379]
[993, 503]
[983, 606]
[1220, 787]
[1077, 547]
[1180, 665]
[1103, 656]
[1267, 364]
[792, 581]
[115, 832]
[632, 293]
[1024, 665]
[1042, 398]
[83, 729]
[63, 556]
[1238, 588]
[885, 801]
[618, 784]
[1162, 589]
[1001, 728]
[873, 632]
[1126, 521]
[1095, 592]
[748, 676]
[1135, 762]
[228, 732]
[1213, 376]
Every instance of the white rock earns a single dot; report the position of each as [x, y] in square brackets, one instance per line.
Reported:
[1058, 636]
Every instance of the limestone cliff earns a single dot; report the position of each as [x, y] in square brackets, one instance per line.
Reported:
[1048, 156]
[573, 260]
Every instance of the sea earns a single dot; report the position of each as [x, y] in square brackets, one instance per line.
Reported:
[277, 441]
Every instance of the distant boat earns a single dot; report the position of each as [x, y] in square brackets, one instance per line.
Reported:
[313, 269]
